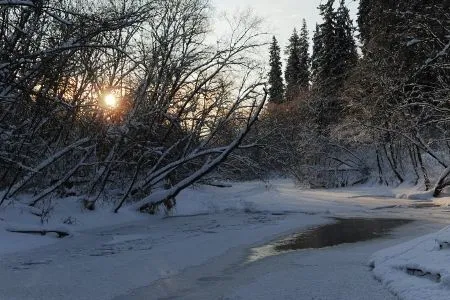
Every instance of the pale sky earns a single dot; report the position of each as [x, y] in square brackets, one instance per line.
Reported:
[281, 16]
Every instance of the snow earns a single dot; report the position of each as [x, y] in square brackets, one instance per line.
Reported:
[418, 269]
[330, 273]
[69, 210]
[133, 255]
[17, 2]
[125, 238]
[13, 242]
[413, 42]
[209, 233]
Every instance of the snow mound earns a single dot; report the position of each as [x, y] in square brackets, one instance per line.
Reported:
[427, 195]
[418, 269]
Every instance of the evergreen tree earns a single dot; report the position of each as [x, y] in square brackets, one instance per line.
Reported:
[347, 55]
[317, 50]
[276, 88]
[297, 73]
[305, 74]
[334, 57]
[324, 62]
[335, 52]
[326, 56]
[292, 73]
[365, 11]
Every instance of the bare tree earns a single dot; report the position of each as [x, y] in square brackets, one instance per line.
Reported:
[176, 92]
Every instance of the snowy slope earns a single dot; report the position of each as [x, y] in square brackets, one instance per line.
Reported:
[418, 269]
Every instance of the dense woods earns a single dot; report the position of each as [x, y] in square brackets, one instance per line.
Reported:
[131, 101]
[381, 115]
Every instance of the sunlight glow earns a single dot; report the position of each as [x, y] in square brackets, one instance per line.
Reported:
[111, 100]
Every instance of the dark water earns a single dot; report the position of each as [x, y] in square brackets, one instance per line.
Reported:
[343, 231]
[349, 230]
[417, 205]
[424, 205]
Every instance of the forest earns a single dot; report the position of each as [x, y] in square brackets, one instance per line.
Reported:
[130, 102]
[367, 109]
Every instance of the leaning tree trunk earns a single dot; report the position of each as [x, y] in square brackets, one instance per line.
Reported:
[161, 197]
[442, 183]
[393, 166]
[414, 163]
[423, 169]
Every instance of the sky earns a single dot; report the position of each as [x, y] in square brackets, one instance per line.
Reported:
[281, 16]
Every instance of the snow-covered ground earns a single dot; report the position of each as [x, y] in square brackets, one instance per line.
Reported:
[418, 269]
[204, 244]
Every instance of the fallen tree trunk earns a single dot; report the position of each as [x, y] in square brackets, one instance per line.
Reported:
[60, 233]
[164, 196]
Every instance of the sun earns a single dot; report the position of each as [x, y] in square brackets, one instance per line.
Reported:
[111, 100]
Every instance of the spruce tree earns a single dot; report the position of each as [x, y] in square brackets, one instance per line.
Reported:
[335, 52]
[347, 55]
[325, 58]
[365, 12]
[334, 57]
[316, 54]
[292, 73]
[297, 72]
[305, 75]
[276, 86]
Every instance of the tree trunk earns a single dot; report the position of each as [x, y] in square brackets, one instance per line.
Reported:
[442, 183]
[414, 164]
[380, 170]
[423, 169]
[393, 167]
